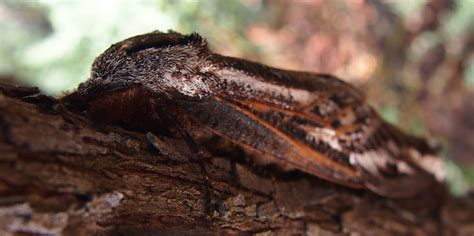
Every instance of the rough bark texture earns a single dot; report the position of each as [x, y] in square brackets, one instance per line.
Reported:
[62, 174]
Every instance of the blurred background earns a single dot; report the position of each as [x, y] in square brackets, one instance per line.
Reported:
[414, 59]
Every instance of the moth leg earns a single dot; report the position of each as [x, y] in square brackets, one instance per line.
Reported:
[193, 146]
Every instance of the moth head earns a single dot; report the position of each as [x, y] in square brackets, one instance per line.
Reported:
[160, 62]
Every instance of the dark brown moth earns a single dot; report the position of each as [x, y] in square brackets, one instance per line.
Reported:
[311, 122]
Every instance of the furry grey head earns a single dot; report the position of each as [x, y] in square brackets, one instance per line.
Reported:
[160, 62]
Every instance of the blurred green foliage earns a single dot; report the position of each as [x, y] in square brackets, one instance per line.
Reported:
[58, 56]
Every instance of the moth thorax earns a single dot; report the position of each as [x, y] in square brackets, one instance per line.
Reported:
[186, 83]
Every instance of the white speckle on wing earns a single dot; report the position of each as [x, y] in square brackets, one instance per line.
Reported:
[376, 160]
[352, 159]
[403, 167]
[432, 164]
[326, 135]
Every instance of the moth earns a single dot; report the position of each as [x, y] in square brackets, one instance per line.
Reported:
[314, 123]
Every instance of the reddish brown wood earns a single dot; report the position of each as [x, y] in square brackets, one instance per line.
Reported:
[62, 174]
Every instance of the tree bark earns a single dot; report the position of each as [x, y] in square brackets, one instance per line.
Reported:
[62, 174]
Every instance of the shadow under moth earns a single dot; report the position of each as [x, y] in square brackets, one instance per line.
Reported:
[314, 123]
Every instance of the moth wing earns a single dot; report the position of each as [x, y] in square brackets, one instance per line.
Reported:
[317, 124]
[348, 133]
[252, 130]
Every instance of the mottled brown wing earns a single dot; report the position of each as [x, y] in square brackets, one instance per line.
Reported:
[340, 131]
[246, 127]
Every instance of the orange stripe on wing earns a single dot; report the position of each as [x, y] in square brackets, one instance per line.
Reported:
[264, 107]
[303, 150]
